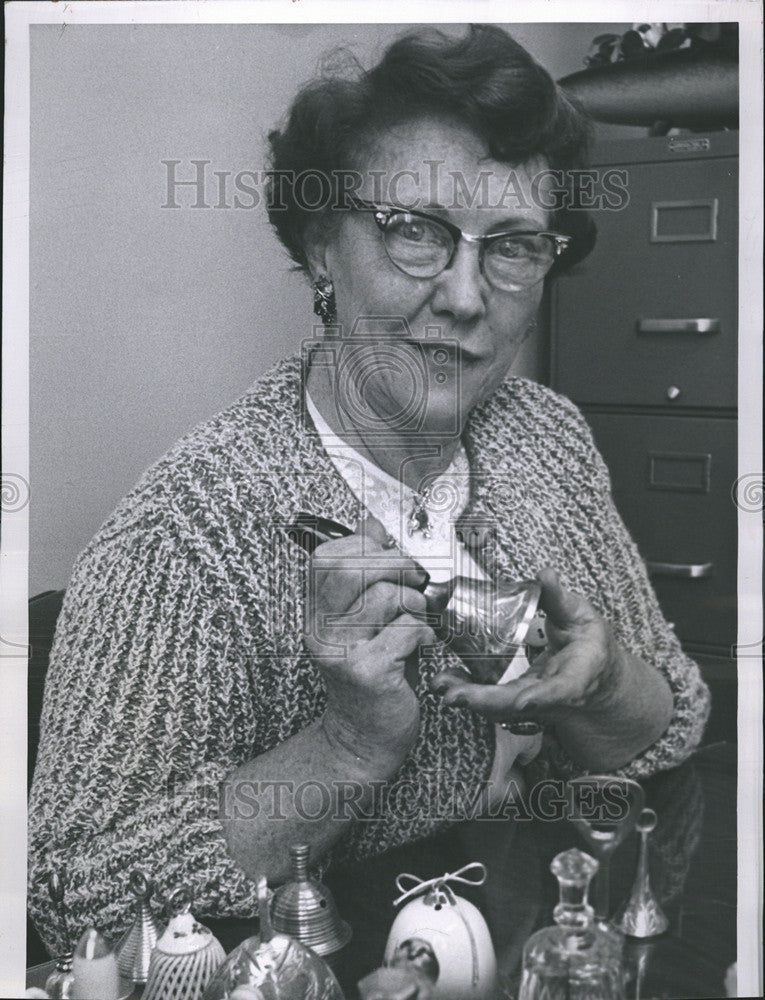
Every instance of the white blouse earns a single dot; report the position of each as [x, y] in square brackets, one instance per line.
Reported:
[423, 525]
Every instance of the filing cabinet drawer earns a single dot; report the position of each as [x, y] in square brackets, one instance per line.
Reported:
[650, 317]
[672, 479]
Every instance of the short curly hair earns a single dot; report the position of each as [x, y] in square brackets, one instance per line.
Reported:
[484, 80]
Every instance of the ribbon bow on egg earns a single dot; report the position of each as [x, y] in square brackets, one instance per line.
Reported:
[439, 885]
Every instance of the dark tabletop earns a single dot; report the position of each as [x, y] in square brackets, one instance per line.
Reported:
[693, 870]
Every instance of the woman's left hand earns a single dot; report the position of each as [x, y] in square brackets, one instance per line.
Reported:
[578, 670]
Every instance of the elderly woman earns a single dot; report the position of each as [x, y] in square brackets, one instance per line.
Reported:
[214, 694]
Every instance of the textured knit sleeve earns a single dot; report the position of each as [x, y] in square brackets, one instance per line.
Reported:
[146, 710]
[621, 592]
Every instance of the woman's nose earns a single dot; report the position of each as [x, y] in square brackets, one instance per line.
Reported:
[461, 289]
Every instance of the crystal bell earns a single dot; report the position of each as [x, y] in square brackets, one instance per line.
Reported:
[134, 950]
[305, 910]
[270, 966]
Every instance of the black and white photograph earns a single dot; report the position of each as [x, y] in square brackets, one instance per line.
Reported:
[382, 501]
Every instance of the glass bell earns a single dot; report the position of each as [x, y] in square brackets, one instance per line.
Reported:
[576, 959]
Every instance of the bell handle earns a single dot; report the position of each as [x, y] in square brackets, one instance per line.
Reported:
[647, 821]
[264, 910]
[141, 886]
[56, 887]
[179, 901]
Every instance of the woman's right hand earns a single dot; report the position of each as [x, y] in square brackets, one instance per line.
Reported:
[364, 621]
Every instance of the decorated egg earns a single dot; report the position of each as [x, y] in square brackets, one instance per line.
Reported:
[445, 938]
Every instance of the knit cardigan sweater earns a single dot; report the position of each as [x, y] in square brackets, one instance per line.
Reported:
[178, 653]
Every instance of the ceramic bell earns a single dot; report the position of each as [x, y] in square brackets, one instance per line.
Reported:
[305, 910]
[134, 950]
[444, 937]
[271, 966]
[95, 969]
[185, 957]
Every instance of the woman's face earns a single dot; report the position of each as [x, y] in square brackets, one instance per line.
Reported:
[460, 334]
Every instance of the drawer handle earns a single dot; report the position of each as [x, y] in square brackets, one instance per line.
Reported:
[689, 571]
[702, 326]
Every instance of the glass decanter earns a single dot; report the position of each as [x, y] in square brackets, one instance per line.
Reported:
[577, 959]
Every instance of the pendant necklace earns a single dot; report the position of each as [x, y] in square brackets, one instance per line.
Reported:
[418, 519]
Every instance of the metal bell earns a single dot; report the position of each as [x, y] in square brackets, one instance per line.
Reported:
[305, 910]
[134, 950]
[60, 982]
[642, 916]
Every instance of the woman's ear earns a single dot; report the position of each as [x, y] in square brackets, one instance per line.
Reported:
[316, 254]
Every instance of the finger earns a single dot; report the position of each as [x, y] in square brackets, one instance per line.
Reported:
[401, 637]
[565, 681]
[444, 680]
[379, 604]
[496, 700]
[372, 532]
[562, 607]
[341, 570]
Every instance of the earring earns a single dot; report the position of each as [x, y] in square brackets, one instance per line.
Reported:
[324, 300]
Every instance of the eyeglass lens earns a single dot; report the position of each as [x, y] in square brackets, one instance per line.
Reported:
[423, 247]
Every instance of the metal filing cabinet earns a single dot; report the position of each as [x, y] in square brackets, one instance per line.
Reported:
[644, 339]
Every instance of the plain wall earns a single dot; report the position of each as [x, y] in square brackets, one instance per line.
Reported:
[146, 320]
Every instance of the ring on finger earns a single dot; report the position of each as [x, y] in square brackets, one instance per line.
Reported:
[521, 727]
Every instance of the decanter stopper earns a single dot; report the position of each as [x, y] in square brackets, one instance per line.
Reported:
[574, 870]
[577, 957]
[642, 916]
[59, 983]
[134, 950]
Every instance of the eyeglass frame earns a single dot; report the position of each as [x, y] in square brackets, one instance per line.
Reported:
[383, 212]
